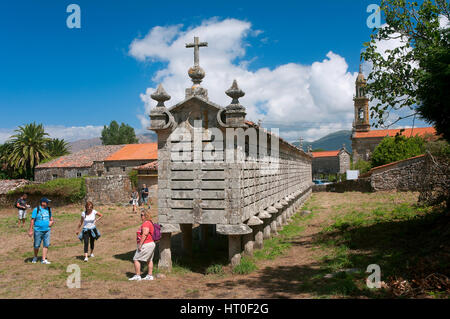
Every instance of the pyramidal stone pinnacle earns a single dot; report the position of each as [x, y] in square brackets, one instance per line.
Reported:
[160, 95]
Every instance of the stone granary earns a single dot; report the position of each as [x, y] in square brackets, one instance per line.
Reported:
[364, 140]
[330, 162]
[216, 168]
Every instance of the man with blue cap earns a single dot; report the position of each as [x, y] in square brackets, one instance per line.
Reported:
[41, 221]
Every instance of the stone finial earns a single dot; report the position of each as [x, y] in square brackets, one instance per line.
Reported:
[235, 112]
[309, 149]
[160, 95]
[235, 93]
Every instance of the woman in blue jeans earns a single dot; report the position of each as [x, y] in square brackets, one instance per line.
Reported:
[41, 221]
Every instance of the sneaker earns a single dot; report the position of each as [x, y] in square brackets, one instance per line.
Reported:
[148, 277]
[45, 261]
[136, 277]
[92, 255]
[34, 260]
[85, 259]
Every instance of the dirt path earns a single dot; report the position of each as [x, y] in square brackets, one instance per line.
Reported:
[105, 276]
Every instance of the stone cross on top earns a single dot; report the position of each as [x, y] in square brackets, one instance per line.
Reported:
[196, 45]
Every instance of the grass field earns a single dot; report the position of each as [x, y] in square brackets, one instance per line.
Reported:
[321, 255]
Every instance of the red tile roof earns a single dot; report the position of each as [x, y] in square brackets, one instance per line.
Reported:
[152, 166]
[83, 158]
[421, 131]
[325, 153]
[130, 152]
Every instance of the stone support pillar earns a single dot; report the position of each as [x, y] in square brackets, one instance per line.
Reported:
[165, 254]
[234, 233]
[234, 249]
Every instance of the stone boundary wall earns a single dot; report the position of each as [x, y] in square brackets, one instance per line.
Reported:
[108, 189]
[403, 175]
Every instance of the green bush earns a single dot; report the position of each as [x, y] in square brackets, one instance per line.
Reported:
[362, 166]
[73, 189]
[133, 175]
[392, 149]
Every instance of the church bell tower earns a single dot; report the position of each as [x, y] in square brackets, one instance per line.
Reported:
[361, 102]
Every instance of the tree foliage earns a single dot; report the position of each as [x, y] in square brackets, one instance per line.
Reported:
[392, 149]
[57, 147]
[117, 135]
[27, 149]
[414, 75]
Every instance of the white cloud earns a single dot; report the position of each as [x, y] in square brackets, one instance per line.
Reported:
[301, 96]
[69, 134]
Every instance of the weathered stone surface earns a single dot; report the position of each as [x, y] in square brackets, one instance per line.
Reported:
[248, 242]
[253, 221]
[234, 249]
[233, 229]
[108, 189]
[170, 228]
[278, 206]
[272, 210]
[165, 260]
[264, 215]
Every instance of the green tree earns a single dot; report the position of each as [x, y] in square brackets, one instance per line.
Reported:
[57, 147]
[414, 75]
[397, 148]
[117, 135]
[28, 149]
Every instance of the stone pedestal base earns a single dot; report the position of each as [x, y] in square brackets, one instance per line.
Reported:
[248, 244]
[234, 249]
[259, 237]
[165, 259]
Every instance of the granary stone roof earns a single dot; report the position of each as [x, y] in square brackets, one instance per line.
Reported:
[83, 158]
[420, 131]
[129, 152]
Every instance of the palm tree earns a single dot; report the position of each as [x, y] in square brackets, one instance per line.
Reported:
[57, 147]
[28, 148]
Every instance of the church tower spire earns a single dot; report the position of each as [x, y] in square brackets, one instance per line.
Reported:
[361, 105]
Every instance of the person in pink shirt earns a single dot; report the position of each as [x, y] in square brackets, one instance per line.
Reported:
[145, 247]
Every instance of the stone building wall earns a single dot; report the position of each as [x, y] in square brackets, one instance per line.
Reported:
[108, 189]
[325, 165]
[43, 175]
[363, 148]
[344, 162]
[122, 167]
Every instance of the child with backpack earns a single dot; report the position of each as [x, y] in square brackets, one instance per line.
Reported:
[146, 237]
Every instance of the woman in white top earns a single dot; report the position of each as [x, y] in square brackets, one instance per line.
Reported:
[90, 233]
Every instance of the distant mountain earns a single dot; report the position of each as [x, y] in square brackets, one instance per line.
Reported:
[88, 143]
[331, 141]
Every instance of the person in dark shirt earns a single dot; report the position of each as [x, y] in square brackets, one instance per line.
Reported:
[21, 205]
[144, 195]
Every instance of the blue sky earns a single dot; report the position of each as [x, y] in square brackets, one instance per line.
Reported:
[65, 77]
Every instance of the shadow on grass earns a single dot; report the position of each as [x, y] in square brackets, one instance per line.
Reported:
[416, 245]
[215, 252]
